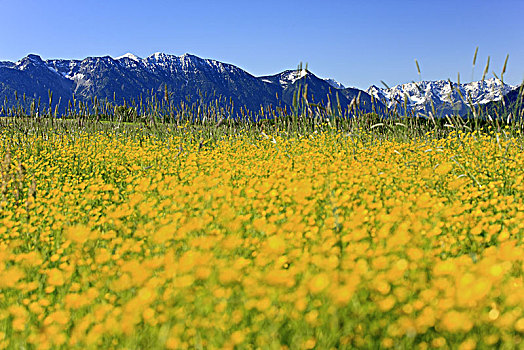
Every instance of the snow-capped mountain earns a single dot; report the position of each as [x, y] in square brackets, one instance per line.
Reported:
[334, 83]
[129, 77]
[319, 90]
[192, 79]
[130, 56]
[32, 77]
[291, 76]
[286, 78]
[443, 96]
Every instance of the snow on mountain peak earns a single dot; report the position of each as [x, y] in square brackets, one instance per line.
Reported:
[28, 60]
[290, 76]
[334, 83]
[130, 56]
[441, 93]
[159, 56]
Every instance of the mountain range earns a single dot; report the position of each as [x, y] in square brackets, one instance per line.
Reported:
[444, 96]
[194, 79]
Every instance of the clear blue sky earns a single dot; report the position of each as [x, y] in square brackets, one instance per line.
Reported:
[358, 43]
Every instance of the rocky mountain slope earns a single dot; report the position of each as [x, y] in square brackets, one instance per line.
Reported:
[444, 96]
[192, 79]
[187, 78]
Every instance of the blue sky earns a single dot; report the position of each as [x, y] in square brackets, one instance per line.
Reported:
[358, 43]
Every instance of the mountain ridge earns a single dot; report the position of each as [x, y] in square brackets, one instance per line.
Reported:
[444, 96]
[129, 77]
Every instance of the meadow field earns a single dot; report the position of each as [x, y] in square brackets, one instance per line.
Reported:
[366, 235]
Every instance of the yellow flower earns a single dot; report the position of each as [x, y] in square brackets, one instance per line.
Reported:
[173, 343]
[19, 323]
[228, 275]
[387, 303]
[454, 321]
[519, 325]
[276, 244]
[444, 168]
[55, 277]
[77, 234]
[202, 272]
[10, 277]
[343, 294]
[318, 283]
[468, 344]
[310, 343]
[237, 337]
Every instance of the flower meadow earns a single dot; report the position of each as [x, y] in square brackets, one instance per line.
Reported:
[321, 240]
